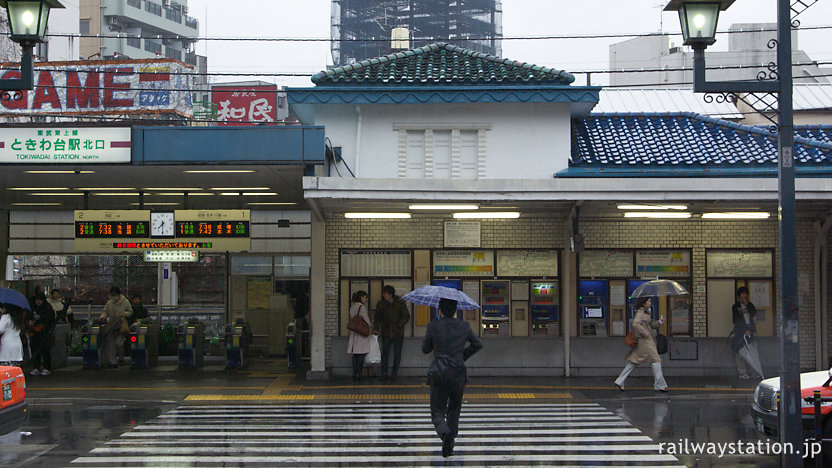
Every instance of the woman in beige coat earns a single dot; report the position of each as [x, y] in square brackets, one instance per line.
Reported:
[646, 350]
[114, 320]
[359, 345]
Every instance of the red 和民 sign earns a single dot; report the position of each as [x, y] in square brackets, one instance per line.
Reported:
[245, 105]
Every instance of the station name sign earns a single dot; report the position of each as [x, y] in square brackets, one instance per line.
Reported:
[65, 145]
[107, 231]
[104, 87]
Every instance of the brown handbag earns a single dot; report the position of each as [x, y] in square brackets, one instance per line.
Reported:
[631, 340]
[358, 325]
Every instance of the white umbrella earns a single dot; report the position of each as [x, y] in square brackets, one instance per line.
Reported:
[659, 287]
[751, 356]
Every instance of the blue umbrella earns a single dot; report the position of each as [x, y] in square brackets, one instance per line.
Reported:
[430, 295]
[15, 298]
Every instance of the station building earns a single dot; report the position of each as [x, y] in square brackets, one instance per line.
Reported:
[605, 202]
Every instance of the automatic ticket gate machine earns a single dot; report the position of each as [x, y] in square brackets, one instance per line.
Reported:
[545, 300]
[144, 344]
[496, 304]
[237, 339]
[593, 306]
[90, 341]
[191, 345]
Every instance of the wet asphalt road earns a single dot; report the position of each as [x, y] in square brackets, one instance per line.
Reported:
[74, 412]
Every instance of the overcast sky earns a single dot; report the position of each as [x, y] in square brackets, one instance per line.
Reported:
[311, 18]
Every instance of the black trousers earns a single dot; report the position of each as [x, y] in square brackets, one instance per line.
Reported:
[41, 354]
[386, 344]
[446, 404]
[357, 364]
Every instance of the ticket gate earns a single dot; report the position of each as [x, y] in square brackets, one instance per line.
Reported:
[191, 345]
[144, 344]
[291, 346]
[60, 345]
[237, 339]
[90, 340]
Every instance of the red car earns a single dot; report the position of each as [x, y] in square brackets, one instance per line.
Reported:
[764, 409]
[13, 405]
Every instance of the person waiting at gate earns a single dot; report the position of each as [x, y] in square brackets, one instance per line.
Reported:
[447, 375]
[12, 324]
[645, 350]
[41, 324]
[390, 318]
[115, 318]
[139, 310]
[61, 308]
[359, 345]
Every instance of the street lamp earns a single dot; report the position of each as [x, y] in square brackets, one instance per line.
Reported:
[699, 19]
[27, 21]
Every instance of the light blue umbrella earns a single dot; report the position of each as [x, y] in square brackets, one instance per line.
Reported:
[430, 295]
[12, 297]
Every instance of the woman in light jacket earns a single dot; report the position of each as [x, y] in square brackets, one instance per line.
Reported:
[646, 350]
[359, 345]
[12, 324]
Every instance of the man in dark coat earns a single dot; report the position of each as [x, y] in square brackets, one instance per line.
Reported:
[447, 337]
[390, 318]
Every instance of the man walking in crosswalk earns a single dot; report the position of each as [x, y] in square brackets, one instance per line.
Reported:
[447, 376]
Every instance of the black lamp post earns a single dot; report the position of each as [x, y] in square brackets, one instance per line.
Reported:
[27, 21]
[699, 19]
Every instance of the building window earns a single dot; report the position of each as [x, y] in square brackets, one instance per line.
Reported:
[442, 153]
[84, 27]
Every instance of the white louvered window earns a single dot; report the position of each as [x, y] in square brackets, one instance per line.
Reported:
[442, 153]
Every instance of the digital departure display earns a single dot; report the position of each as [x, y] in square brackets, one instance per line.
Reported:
[199, 229]
[162, 245]
[112, 229]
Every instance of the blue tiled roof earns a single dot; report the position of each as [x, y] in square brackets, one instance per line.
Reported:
[687, 140]
[441, 63]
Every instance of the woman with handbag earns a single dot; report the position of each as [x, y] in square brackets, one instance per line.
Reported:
[359, 343]
[645, 350]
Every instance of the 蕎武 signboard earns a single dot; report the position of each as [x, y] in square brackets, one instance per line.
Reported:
[65, 145]
[455, 263]
[739, 264]
[605, 263]
[541, 263]
[104, 87]
[663, 263]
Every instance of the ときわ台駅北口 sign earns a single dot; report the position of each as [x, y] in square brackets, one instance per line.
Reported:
[71, 145]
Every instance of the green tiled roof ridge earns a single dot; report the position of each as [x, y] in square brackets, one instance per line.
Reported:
[403, 68]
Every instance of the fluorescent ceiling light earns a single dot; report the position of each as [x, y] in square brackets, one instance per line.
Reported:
[59, 172]
[272, 203]
[652, 207]
[220, 171]
[116, 194]
[199, 194]
[92, 189]
[248, 194]
[155, 204]
[377, 215]
[648, 214]
[240, 189]
[53, 194]
[737, 215]
[38, 188]
[179, 189]
[424, 206]
[486, 215]
[36, 204]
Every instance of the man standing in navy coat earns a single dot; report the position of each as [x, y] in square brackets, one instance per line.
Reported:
[447, 376]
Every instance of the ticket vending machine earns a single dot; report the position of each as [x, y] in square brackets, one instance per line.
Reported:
[545, 300]
[496, 304]
[453, 284]
[593, 305]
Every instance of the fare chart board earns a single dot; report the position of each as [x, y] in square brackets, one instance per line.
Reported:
[107, 231]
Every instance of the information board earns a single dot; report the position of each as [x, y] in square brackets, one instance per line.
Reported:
[663, 263]
[605, 264]
[739, 264]
[369, 263]
[538, 263]
[457, 263]
[462, 233]
[171, 256]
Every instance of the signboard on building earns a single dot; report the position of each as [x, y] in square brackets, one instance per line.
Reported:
[166, 256]
[663, 263]
[605, 264]
[245, 105]
[106, 87]
[739, 264]
[131, 230]
[462, 233]
[539, 263]
[65, 145]
[371, 263]
[454, 263]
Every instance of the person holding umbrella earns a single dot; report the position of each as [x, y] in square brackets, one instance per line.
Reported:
[12, 324]
[447, 339]
[743, 314]
[645, 350]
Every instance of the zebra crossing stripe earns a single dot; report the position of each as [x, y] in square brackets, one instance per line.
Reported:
[352, 433]
[369, 446]
[153, 460]
[430, 440]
